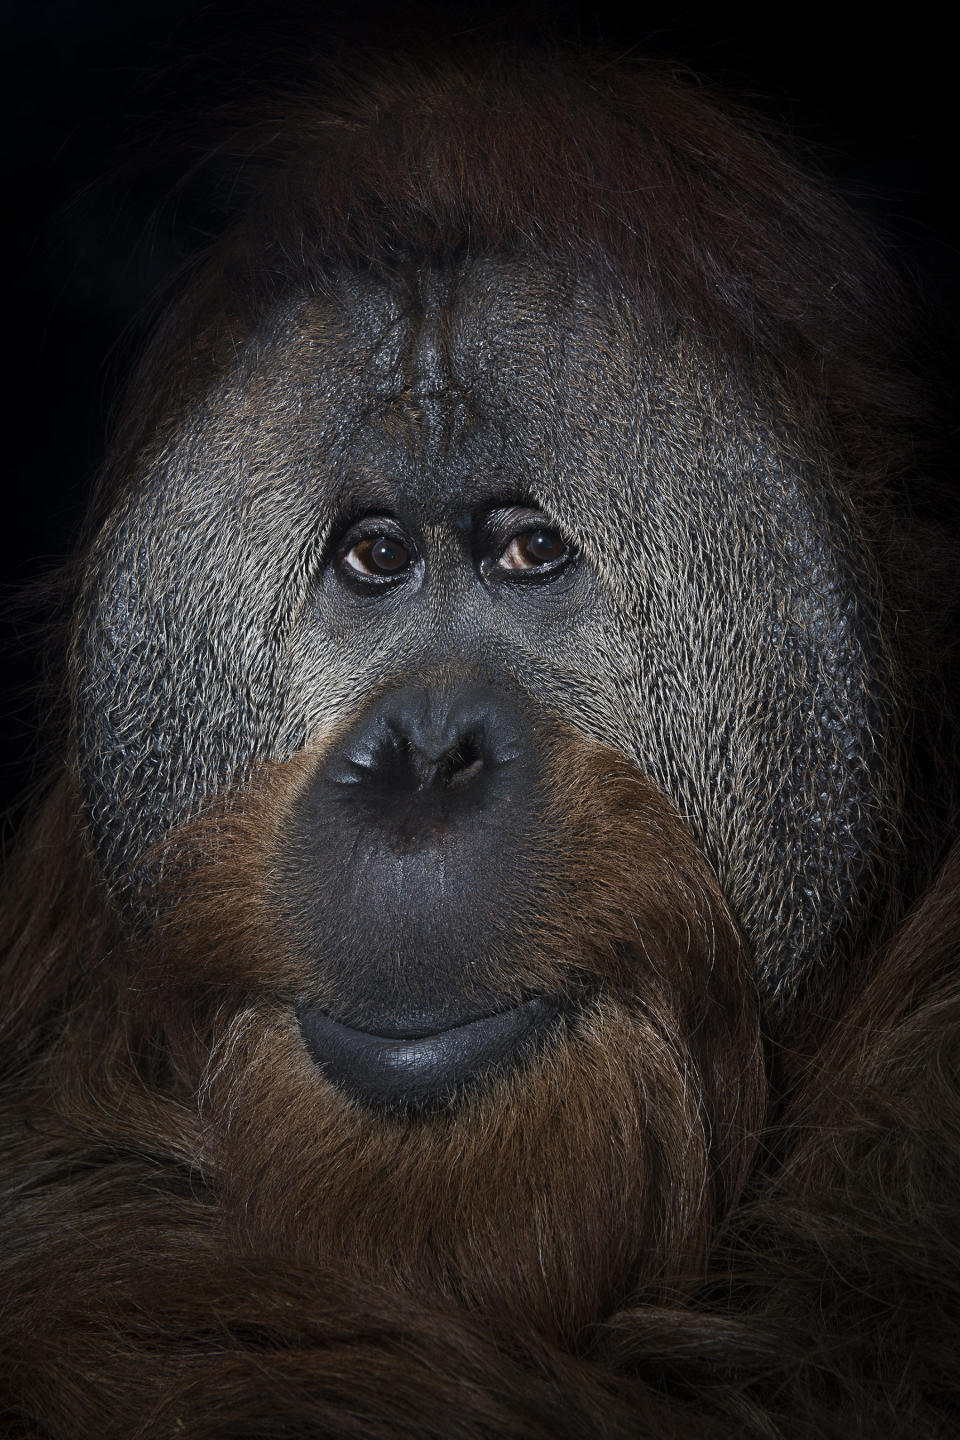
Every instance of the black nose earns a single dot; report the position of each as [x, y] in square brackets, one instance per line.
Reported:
[417, 740]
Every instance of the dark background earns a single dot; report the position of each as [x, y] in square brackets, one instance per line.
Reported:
[107, 105]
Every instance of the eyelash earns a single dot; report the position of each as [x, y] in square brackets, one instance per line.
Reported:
[358, 562]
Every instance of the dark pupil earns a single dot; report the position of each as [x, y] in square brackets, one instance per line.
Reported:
[388, 554]
[543, 545]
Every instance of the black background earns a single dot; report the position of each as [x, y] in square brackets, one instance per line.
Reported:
[95, 224]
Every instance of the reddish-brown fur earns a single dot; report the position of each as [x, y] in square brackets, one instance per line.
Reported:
[633, 1237]
[273, 1262]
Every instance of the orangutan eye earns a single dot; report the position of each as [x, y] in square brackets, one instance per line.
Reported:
[540, 550]
[376, 556]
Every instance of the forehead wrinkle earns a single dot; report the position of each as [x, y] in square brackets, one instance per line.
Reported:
[420, 403]
[450, 419]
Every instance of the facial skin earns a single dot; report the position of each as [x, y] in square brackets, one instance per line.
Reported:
[487, 485]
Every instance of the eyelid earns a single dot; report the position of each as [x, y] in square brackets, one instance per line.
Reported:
[505, 528]
[367, 527]
[502, 526]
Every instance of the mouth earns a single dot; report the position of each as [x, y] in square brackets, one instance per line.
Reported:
[422, 1069]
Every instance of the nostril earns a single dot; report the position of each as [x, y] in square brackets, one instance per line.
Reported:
[452, 770]
[461, 764]
[414, 741]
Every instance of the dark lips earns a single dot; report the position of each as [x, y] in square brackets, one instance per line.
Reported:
[420, 1070]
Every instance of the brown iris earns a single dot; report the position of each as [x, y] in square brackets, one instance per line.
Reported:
[533, 549]
[378, 555]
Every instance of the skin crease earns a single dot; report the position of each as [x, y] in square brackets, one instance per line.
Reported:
[491, 387]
